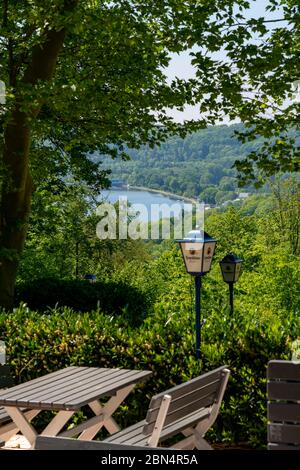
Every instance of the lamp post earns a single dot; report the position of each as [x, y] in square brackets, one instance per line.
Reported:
[231, 270]
[197, 251]
[90, 277]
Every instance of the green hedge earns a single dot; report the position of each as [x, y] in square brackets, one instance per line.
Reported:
[110, 297]
[38, 344]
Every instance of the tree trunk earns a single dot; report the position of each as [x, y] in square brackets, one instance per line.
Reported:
[15, 203]
[17, 188]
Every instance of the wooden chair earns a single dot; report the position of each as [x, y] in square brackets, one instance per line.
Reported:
[283, 405]
[189, 409]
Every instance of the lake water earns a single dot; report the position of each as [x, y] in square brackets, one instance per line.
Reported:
[149, 200]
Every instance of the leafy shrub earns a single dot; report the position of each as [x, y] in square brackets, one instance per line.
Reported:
[111, 297]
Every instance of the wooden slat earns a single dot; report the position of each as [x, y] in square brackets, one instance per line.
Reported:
[57, 443]
[283, 390]
[188, 401]
[108, 379]
[191, 385]
[132, 377]
[172, 429]
[1, 443]
[273, 446]
[65, 388]
[183, 413]
[128, 434]
[284, 433]
[72, 390]
[4, 417]
[283, 412]
[36, 383]
[184, 423]
[35, 387]
[284, 370]
[133, 435]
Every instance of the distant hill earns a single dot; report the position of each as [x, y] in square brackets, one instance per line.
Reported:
[198, 166]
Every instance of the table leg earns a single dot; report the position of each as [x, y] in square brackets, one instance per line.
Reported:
[10, 429]
[57, 423]
[105, 412]
[22, 423]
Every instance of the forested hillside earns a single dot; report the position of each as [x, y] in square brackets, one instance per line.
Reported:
[199, 165]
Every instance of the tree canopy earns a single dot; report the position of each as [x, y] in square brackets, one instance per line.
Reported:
[256, 83]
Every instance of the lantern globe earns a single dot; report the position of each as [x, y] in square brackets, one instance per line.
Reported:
[231, 268]
[197, 250]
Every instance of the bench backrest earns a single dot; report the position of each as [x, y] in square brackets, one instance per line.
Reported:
[283, 405]
[190, 397]
[6, 379]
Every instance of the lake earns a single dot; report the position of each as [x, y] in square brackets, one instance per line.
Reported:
[148, 199]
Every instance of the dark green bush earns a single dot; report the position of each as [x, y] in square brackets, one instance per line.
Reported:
[83, 296]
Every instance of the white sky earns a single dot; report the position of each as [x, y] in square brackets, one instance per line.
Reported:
[181, 67]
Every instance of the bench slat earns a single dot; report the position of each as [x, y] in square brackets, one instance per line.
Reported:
[4, 417]
[283, 370]
[284, 433]
[190, 386]
[273, 446]
[187, 410]
[128, 433]
[133, 434]
[283, 412]
[185, 399]
[283, 390]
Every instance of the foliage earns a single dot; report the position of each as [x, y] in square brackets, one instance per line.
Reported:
[110, 296]
[200, 165]
[256, 83]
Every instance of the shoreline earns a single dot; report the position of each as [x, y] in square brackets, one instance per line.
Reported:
[159, 191]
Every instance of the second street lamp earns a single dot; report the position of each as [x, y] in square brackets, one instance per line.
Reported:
[197, 251]
[231, 270]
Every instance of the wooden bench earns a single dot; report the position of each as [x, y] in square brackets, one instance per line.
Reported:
[189, 409]
[283, 405]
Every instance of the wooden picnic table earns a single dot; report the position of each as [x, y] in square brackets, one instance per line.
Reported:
[67, 391]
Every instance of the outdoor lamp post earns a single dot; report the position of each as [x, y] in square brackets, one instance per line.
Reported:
[197, 251]
[90, 277]
[231, 270]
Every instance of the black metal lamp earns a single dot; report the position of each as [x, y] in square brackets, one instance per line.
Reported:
[197, 251]
[90, 277]
[231, 268]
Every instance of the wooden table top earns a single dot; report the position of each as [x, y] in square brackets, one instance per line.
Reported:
[70, 388]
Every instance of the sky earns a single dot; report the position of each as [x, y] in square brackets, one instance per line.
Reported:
[181, 67]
